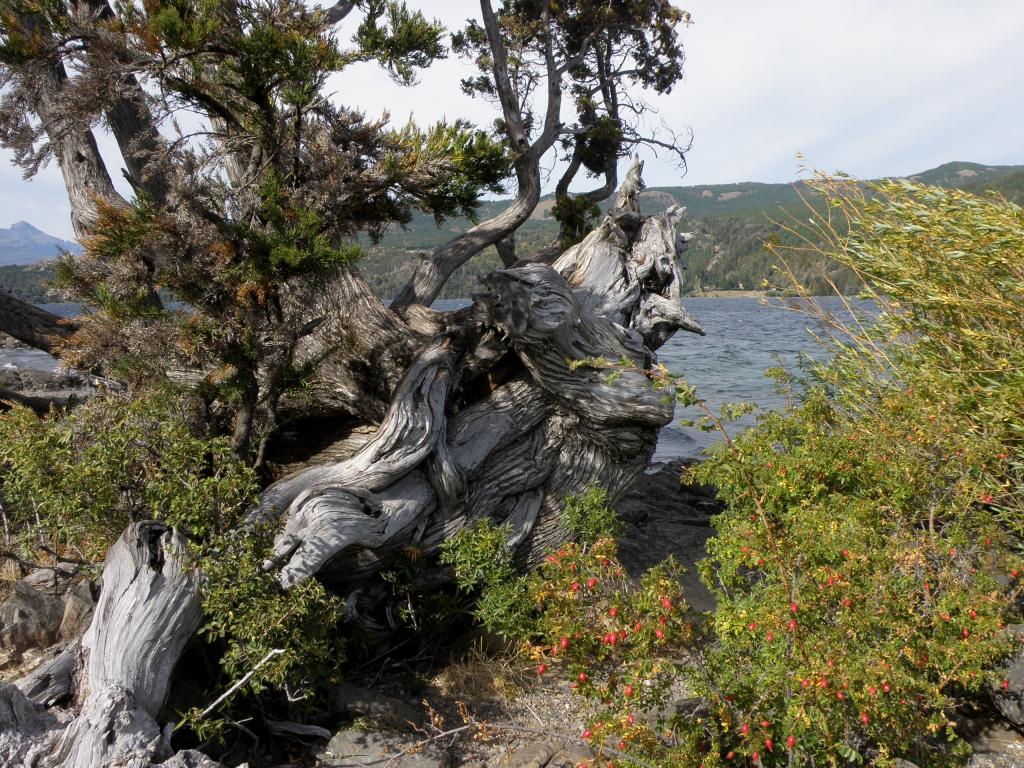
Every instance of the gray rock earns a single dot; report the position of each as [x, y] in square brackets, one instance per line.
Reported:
[569, 756]
[52, 581]
[32, 380]
[355, 747]
[543, 754]
[78, 608]
[353, 700]
[189, 758]
[992, 760]
[1010, 702]
[995, 745]
[531, 755]
[29, 618]
[662, 517]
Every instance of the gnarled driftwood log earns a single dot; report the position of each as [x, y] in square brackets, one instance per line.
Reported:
[491, 419]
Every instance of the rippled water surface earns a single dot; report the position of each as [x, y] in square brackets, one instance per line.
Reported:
[743, 339]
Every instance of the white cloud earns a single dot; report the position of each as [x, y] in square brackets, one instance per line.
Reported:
[870, 87]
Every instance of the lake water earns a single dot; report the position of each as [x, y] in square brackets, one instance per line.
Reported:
[744, 338]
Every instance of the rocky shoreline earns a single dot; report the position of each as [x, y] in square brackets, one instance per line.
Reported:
[39, 389]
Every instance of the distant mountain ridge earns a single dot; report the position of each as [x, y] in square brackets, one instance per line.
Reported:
[21, 243]
[754, 197]
[731, 222]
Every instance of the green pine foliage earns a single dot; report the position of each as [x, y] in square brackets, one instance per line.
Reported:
[248, 217]
[73, 480]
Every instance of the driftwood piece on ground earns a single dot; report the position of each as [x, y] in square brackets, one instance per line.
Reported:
[25, 728]
[53, 682]
[30, 324]
[149, 608]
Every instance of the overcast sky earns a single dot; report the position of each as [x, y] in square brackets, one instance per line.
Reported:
[870, 87]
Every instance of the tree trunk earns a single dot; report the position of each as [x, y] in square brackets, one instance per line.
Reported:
[86, 179]
[490, 420]
[506, 248]
[359, 347]
[85, 174]
[433, 272]
[31, 325]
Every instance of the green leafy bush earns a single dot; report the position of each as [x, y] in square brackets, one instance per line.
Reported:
[283, 640]
[624, 644]
[865, 568]
[589, 518]
[868, 563]
[73, 480]
[482, 561]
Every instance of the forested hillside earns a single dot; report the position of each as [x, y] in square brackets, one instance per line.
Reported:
[731, 223]
[28, 281]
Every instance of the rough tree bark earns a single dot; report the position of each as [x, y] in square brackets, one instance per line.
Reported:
[490, 420]
[31, 325]
[149, 608]
[86, 178]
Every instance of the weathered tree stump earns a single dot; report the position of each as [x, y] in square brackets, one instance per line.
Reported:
[149, 608]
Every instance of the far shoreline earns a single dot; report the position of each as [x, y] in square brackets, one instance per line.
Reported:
[726, 294]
